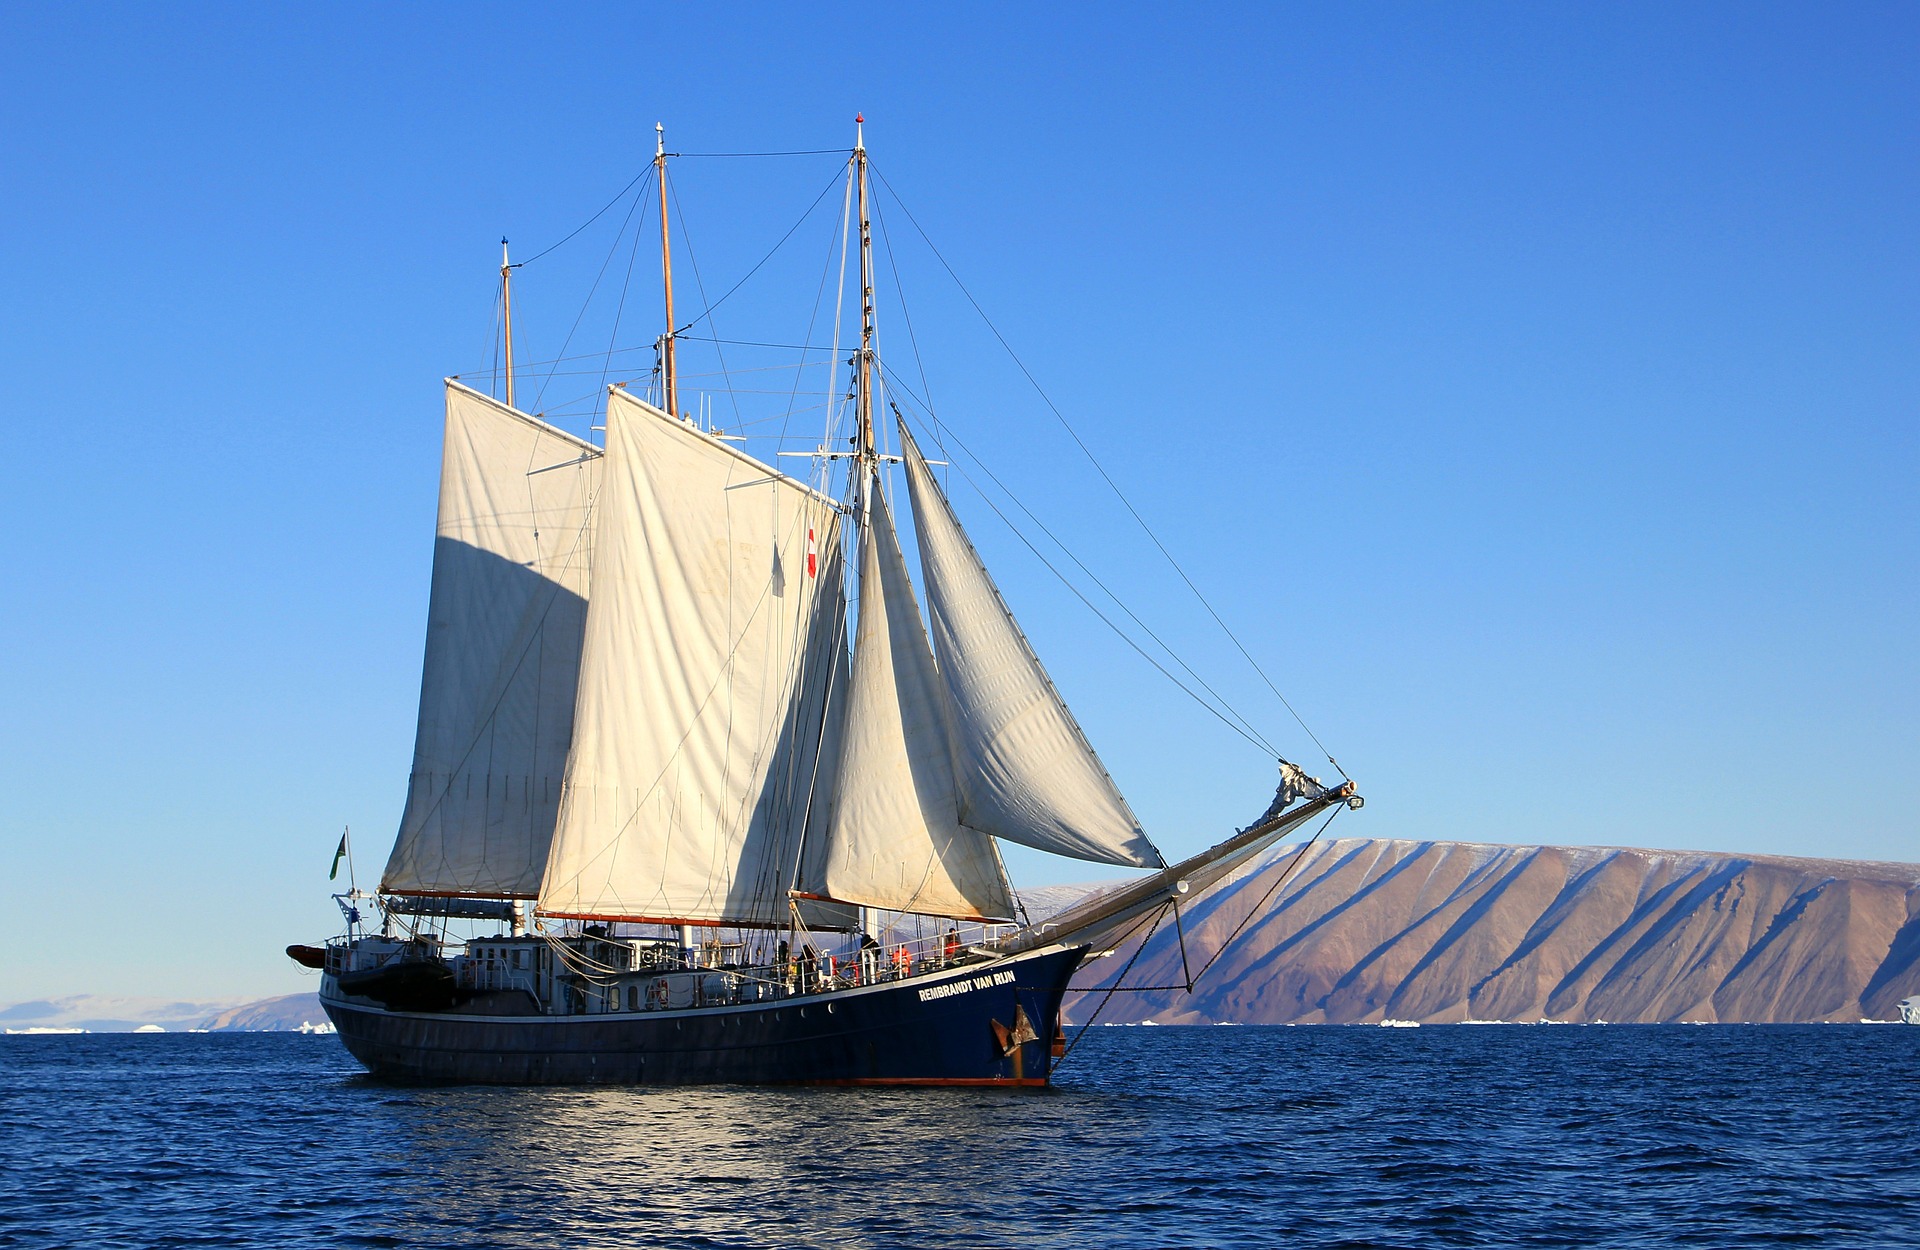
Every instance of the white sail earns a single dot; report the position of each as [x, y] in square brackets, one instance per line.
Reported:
[896, 840]
[692, 763]
[511, 562]
[1025, 770]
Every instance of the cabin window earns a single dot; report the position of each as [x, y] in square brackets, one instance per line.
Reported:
[633, 998]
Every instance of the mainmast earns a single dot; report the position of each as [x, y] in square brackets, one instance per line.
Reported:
[506, 309]
[670, 385]
[868, 460]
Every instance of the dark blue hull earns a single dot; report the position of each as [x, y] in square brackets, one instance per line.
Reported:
[943, 1028]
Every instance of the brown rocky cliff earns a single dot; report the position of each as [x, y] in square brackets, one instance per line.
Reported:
[1366, 930]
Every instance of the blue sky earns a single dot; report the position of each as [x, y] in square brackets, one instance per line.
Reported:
[1532, 387]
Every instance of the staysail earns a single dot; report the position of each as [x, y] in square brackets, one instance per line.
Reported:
[704, 683]
[1026, 772]
[511, 563]
[896, 839]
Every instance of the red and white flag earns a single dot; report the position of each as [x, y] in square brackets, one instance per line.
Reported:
[813, 554]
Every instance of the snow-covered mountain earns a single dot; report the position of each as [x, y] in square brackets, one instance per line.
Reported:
[1358, 931]
[108, 1013]
[1355, 931]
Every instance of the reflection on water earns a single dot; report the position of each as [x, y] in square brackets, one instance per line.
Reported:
[1157, 1137]
[734, 1166]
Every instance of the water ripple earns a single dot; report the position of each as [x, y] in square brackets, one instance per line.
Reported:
[1322, 1138]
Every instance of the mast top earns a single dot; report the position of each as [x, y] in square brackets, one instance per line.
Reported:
[865, 410]
[659, 139]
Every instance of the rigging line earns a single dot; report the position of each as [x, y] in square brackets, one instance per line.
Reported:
[829, 429]
[1245, 726]
[900, 293]
[620, 308]
[1091, 459]
[708, 311]
[813, 319]
[494, 387]
[1101, 1006]
[691, 156]
[705, 375]
[1298, 856]
[793, 347]
[589, 221]
[532, 364]
[638, 202]
[1108, 621]
[749, 369]
[694, 261]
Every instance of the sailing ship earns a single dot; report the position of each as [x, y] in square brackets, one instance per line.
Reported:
[718, 839]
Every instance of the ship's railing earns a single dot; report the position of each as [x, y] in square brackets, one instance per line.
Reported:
[808, 972]
[582, 978]
[696, 982]
[355, 954]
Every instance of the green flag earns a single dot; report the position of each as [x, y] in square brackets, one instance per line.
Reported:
[337, 857]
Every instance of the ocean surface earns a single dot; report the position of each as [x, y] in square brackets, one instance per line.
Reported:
[1312, 1137]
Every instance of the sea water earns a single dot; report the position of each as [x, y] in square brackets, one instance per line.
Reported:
[1311, 1137]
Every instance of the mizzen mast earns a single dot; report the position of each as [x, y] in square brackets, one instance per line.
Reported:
[669, 382]
[506, 312]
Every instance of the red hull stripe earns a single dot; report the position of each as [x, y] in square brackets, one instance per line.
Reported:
[1026, 1082]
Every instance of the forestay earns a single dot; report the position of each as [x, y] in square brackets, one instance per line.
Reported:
[704, 683]
[511, 564]
[1025, 770]
[896, 839]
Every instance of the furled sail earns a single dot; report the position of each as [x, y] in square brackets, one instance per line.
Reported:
[704, 682]
[511, 562]
[896, 839]
[1024, 768]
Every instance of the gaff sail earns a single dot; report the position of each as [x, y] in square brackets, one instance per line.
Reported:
[512, 559]
[704, 683]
